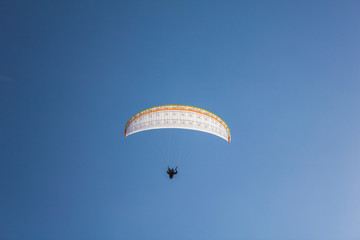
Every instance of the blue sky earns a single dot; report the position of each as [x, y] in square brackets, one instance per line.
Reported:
[283, 75]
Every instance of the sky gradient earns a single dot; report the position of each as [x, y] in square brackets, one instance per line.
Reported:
[284, 76]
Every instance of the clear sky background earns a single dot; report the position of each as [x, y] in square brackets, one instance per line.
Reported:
[284, 75]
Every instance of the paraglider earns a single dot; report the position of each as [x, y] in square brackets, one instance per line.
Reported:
[177, 116]
[171, 172]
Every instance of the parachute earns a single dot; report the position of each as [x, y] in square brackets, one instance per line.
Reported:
[178, 116]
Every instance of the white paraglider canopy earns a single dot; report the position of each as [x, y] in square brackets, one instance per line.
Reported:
[178, 116]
